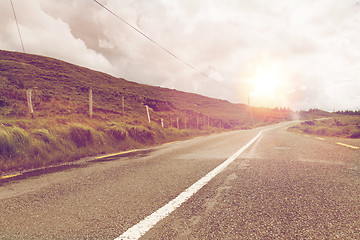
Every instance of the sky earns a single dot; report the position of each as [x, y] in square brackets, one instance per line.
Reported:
[300, 54]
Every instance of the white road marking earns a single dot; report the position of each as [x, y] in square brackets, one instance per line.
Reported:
[138, 230]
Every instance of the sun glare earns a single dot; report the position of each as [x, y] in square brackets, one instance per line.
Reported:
[265, 82]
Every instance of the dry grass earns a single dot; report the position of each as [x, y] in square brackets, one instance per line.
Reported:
[34, 146]
[338, 126]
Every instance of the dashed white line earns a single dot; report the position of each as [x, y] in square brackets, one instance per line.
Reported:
[147, 223]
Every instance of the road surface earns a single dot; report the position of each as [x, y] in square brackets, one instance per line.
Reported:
[283, 186]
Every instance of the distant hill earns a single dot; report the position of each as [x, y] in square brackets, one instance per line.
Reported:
[61, 89]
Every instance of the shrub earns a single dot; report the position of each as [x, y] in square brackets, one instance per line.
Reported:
[141, 134]
[113, 131]
[81, 135]
[185, 132]
[20, 137]
[323, 131]
[119, 134]
[6, 147]
[310, 123]
[339, 124]
[43, 135]
[159, 131]
[307, 130]
[355, 135]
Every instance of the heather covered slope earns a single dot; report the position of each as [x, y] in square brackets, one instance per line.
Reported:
[63, 131]
[62, 88]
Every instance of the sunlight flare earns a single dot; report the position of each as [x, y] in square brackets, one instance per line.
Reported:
[266, 81]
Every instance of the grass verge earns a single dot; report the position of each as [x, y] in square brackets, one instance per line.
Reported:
[339, 126]
[28, 144]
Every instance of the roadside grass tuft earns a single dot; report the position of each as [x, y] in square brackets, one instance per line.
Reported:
[44, 135]
[13, 141]
[116, 131]
[81, 135]
[141, 134]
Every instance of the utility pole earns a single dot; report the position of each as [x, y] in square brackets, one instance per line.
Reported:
[252, 120]
[17, 25]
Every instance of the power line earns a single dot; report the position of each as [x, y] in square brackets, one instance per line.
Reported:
[22, 44]
[151, 40]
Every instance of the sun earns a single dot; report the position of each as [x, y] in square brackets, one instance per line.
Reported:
[265, 82]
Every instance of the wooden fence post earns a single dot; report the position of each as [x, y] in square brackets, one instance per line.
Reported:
[148, 114]
[162, 123]
[90, 103]
[177, 122]
[28, 95]
[123, 104]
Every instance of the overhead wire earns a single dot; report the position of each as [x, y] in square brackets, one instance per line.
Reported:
[17, 24]
[153, 41]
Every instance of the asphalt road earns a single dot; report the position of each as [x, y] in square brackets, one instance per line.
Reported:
[284, 186]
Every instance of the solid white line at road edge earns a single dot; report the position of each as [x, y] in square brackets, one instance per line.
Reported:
[138, 230]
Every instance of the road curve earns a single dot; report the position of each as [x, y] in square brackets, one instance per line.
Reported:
[283, 186]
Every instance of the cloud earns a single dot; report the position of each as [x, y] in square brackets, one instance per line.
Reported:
[50, 36]
[314, 43]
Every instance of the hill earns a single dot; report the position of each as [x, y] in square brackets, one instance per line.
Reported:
[60, 93]
[62, 89]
